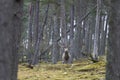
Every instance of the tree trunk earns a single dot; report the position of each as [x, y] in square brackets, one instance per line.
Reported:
[96, 36]
[91, 21]
[78, 35]
[55, 54]
[44, 33]
[113, 56]
[103, 47]
[87, 34]
[72, 31]
[63, 22]
[30, 35]
[56, 35]
[36, 22]
[37, 36]
[103, 35]
[10, 32]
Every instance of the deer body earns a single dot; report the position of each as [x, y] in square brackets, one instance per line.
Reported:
[66, 56]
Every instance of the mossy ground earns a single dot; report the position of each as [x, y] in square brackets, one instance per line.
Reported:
[83, 69]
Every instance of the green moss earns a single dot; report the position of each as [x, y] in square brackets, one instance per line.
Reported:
[83, 69]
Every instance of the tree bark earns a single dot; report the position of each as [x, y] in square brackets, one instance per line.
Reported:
[78, 35]
[30, 35]
[96, 36]
[36, 22]
[63, 22]
[55, 54]
[37, 36]
[113, 56]
[10, 32]
[56, 35]
[103, 35]
[72, 30]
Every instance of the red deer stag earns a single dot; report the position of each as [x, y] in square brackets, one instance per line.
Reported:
[66, 56]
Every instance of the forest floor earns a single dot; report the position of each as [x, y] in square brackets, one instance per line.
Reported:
[83, 69]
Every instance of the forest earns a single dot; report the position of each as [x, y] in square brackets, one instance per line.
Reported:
[59, 40]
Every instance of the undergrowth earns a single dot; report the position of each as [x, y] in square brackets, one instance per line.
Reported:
[83, 69]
